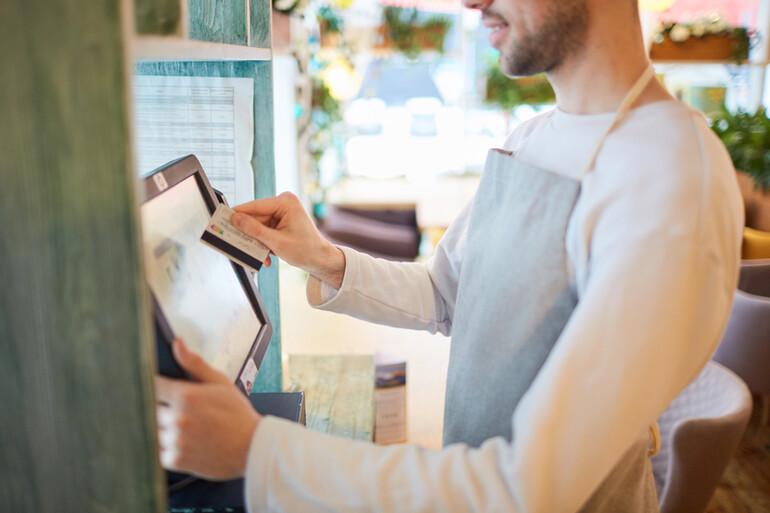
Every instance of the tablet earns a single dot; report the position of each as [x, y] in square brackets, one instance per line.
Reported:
[198, 294]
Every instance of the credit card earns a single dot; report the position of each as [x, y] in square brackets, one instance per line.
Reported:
[242, 249]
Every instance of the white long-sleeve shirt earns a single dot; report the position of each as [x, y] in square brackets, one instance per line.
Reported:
[653, 244]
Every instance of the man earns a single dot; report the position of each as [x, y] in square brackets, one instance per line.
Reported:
[588, 283]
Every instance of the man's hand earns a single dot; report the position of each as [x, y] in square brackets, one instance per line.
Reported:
[204, 427]
[282, 225]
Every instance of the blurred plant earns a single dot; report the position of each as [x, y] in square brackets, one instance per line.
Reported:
[747, 138]
[435, 30]
[325, 116]
[401, 24]
[678, 32]
[410, 36]
[329, 19]
[507, 93]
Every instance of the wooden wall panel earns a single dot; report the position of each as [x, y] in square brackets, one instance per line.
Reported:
[157, 16]
[269, 377]
[77, 428]
[260, 23]
[218, 21]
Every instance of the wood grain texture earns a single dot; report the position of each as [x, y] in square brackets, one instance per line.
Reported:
[77, 425]
[218, 21]
[339, 393]
[263, 161]
[260, 23]
[157, 16]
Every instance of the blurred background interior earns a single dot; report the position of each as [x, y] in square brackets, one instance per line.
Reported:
[395, 103]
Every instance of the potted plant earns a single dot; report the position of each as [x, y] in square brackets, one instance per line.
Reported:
[704, 39]
[329, 27]
[399, 30]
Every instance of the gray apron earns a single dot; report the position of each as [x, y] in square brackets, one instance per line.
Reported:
[513, 300]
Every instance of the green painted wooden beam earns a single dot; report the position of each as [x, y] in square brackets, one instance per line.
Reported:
[218, 21]
[77, 428]
[269, 378]
[160, 17]
[260, 23]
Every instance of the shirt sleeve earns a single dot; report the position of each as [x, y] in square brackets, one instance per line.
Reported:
[401, 294]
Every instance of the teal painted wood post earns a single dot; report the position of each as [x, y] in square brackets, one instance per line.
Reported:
[218, 21]
[77, 429]
[269, 378]
[260, 32]
[270, 374]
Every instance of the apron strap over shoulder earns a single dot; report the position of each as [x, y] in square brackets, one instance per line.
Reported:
[625, 106]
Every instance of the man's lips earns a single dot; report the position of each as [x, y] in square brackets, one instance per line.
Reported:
[499, 30]
[493, 22]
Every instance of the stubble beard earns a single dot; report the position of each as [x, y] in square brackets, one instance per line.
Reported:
[562, 33]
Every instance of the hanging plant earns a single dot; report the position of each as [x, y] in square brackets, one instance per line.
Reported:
[400, 26]
[704, 39]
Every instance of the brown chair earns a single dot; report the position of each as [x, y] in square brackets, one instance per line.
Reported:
[390, 234]
[699, 432]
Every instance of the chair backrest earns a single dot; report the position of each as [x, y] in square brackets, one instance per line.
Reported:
[699, 433]
[745, 345]
[755, 277]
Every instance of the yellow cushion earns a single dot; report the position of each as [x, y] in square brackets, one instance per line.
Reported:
[756, 244]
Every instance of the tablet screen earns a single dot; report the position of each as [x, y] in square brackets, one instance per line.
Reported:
[195, 285]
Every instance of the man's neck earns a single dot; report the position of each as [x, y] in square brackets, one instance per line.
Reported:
[597, 79]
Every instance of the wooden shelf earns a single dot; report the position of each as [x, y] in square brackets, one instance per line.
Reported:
[175, 48]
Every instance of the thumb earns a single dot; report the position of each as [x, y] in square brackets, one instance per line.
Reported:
[250, 226]
[196, 366]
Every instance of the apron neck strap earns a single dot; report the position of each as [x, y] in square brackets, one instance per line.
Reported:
[625, 106]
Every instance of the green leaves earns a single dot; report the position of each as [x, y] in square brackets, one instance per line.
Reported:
[507, 93]
[747, 138]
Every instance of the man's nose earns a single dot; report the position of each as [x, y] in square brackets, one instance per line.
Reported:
[477, 4]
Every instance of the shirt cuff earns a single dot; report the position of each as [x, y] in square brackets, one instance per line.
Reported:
[322, 295]
[327, 292]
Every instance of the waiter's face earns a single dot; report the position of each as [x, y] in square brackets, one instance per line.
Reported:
[533, 36]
